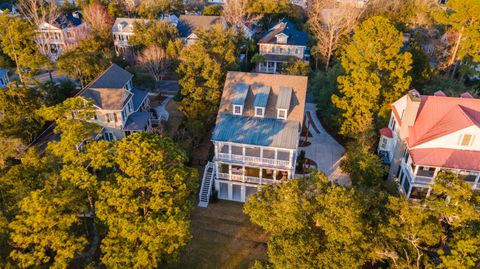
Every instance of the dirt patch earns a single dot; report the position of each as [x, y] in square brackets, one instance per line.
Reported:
[222, 237]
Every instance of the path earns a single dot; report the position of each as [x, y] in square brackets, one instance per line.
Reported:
[324, 149]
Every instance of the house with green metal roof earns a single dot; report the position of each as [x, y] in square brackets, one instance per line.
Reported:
[256, 135]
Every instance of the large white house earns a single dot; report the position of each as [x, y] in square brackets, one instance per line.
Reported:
[65, 32]
[427, 134]
[281, 44]
[121, 108]
[256, 134]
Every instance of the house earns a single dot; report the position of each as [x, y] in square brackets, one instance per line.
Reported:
[428, 134]
[10, 8]
[188, 25]
[123, 29]
[4, 80]
[65, 32]
[121, 108]
[281, 44]
[256, 134]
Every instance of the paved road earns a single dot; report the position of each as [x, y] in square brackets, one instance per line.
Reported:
[45, 77]
[324, 149]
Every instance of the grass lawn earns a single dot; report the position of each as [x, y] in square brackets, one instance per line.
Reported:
[222, 237]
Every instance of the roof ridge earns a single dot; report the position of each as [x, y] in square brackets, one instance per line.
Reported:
[468, 115]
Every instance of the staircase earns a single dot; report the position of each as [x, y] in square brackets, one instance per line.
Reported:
[207, 181]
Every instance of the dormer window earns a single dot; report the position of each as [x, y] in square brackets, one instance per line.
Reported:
[466, 140]
[282, 114]
[237, 110]
[259, 112]
[283, 102]
[282, 38]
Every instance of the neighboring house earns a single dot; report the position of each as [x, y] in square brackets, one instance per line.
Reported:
[65, 32]
[123, 29]
[188, 25]
[121, 108]
[4, 80]
[256, 134]
[215, 2]
[281, 44]
[427, 134]
[10, 8]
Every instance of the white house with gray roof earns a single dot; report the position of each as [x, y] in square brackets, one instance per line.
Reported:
[256, 134]
[121, 108]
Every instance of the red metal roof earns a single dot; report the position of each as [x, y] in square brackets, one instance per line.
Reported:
[387, 132]
[439, 116]
[448, 158]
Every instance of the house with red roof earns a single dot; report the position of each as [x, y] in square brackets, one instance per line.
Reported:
[427, 134]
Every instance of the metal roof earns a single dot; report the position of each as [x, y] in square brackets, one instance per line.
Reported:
[3, 72]
[265, 132]
[138, 98]
[288, 28]
[109, 99]
[241, 91]
[261, 98]
[284, 98]
[188, 24]
[113, 77]
[137, 121]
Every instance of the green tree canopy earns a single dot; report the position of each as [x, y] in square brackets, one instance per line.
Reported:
[314, 224]
[146, 205]
[158, 33]
[212, 10]
[376, 75]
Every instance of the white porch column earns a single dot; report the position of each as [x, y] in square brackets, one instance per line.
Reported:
[230, 191]
[243, 152]
[436, 172]
[230, 151]
[243, 197]
[290, 159]
[243, 174]
[275, 157]
[229, 172]
[261, 155]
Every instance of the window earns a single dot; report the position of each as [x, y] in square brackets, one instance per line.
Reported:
[237, 110]
[296, 51]
[466, 140]
[111, 117]
[259, 111]
[124, 115]
[109, 136]
[383, 143]
[127, 133]
[282, 114]
[130, 106]
[406, 185]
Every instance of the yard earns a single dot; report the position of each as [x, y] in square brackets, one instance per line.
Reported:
[222, 237]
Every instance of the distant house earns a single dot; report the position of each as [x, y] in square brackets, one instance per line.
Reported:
[4, 80]
[10, 8]
[123, 29]
[256, 134]
[121, 108]
[429, 134]
[62, 33]
[188, 25]
[281, 44]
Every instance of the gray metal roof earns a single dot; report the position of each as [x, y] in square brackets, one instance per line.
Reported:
[138, 98]
[137, 121]
[3, 72]
[265, 132]
[188, 24]
[284, 98]
[285, 26]
[113, 77]
[261, 98]
[241, 91]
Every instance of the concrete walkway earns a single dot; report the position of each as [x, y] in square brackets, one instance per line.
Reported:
[324, 149]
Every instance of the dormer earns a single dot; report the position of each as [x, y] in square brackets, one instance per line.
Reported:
[283, 102]
[261, 100]
[282, 38]
[238, 99]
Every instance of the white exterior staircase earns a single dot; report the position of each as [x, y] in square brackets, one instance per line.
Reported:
[207, 181]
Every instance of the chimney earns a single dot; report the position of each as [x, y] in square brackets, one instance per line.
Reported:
[410, 113]
[439, 93]
[466, 95]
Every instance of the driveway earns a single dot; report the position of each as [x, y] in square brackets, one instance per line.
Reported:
[324, 149]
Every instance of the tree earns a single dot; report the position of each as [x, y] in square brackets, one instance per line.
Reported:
[98, 20]
[153, 8]
[212, 10]
[363, 166]
[269, 6]
[405, 238]
[202, 72]
[44, 231]
[155, 61]
[462, 17]
[153, 33]
[297, 68]
[17, 39]
[146, 205]
[18, 107]
[376, 75]
[236, 12]
[451, 87]
[313, 224]
[330, 21]
[90, 58]
[414, 13]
